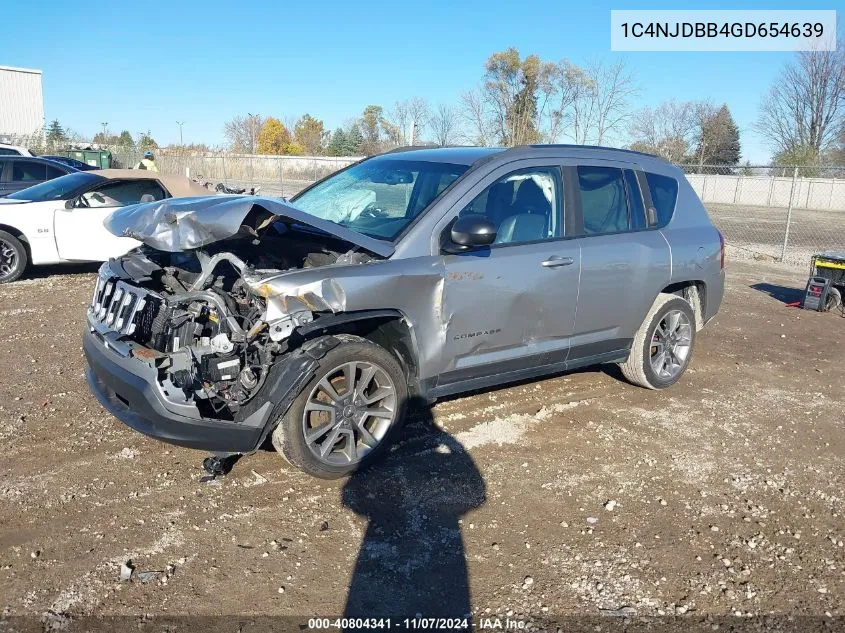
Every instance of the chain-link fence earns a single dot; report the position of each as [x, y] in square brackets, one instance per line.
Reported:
[276, 175]
[783, 214]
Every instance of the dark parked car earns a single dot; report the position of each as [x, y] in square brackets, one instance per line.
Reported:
[419, 273]
[20, 172]
[71, 162]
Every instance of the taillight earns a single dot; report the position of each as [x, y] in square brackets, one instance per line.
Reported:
[721, 249]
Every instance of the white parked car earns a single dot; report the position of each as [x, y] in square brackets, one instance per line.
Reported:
[14, 150]
[61, 220]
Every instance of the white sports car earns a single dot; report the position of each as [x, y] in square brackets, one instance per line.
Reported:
[61, 220]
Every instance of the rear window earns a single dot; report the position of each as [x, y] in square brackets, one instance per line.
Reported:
[664, 194]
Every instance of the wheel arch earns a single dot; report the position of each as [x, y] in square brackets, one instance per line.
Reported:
[389, 328]
[17, 233]
[21, 237]
[695, 292]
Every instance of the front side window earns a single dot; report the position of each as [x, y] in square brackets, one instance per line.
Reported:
[379, 197]
[27, 170]
[664, 194]
[119, 194]
[603, 202]
[524, 206]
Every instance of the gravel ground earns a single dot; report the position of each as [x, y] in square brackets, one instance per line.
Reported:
[546, 501]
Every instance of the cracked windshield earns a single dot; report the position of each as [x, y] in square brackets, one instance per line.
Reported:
[379, 198]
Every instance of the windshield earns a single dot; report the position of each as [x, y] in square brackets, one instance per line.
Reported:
[61, 188]
[379, 197]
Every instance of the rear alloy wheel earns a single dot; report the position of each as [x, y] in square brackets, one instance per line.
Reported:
[663, 345]
[348, 414]
[13, 258]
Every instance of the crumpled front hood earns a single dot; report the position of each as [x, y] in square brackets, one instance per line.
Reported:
[180, 224]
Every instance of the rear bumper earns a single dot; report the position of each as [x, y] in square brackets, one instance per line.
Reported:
[127, 389]
[715, 294]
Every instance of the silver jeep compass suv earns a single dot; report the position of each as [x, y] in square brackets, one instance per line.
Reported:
[417, 273]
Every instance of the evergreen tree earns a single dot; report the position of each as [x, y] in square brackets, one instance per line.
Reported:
[337, 145]
[125, 139]
[55, 133]
[719, 141]
[354, 141]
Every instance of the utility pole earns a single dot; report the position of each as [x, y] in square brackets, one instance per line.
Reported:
[180, 124]
[105, 125]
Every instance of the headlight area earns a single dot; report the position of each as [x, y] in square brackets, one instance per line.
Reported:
[210, 340]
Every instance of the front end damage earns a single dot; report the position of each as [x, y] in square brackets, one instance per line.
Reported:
[190, 338]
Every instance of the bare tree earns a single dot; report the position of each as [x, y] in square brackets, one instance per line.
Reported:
[242, 133]
[558, 85]
[475, 115]
[419, 113]
[601, 102]
[444, 124]
[405, 115]
[669, 130]
[397, 119]
[805, 108]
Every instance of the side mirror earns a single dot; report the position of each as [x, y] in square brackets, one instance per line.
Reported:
[469, 232]
[70, 204]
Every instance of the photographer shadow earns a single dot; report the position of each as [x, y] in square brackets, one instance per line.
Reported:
[412, 560]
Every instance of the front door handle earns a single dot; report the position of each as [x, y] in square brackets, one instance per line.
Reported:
[554, 261]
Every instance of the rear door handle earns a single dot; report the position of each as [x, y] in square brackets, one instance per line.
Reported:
[554, 261]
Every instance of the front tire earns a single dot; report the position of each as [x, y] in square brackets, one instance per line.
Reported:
[13, 258]
[348, 414]
[662, 348]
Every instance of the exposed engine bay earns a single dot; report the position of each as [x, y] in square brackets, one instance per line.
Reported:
[199, 316]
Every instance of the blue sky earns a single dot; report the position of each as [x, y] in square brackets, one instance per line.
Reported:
[146, 65]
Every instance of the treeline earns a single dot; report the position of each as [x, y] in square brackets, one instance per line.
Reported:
[525, 99]
[522, 100]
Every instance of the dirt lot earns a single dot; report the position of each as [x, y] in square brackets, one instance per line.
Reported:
[720, 497]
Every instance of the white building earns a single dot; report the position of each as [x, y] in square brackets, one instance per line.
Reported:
[21, 102]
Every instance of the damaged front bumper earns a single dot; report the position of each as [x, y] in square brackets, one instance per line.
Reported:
[127, 388]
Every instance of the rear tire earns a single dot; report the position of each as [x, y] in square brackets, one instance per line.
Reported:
[13, 258]
[331, 431]
[662, 348]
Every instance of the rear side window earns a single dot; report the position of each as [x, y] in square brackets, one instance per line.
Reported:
[25, 170]
[603, 200]
[664, 195]
[54, 172]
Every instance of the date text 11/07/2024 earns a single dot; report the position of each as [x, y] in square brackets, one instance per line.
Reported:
[418, 623]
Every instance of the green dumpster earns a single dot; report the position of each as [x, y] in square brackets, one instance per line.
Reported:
[99, 158]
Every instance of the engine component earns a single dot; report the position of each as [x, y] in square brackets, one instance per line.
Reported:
[216, 370]
[280, 329]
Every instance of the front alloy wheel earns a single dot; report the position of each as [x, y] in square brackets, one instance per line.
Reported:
[348, 413]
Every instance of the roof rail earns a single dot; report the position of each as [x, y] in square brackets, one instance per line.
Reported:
[573, 146]
[411, 148]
